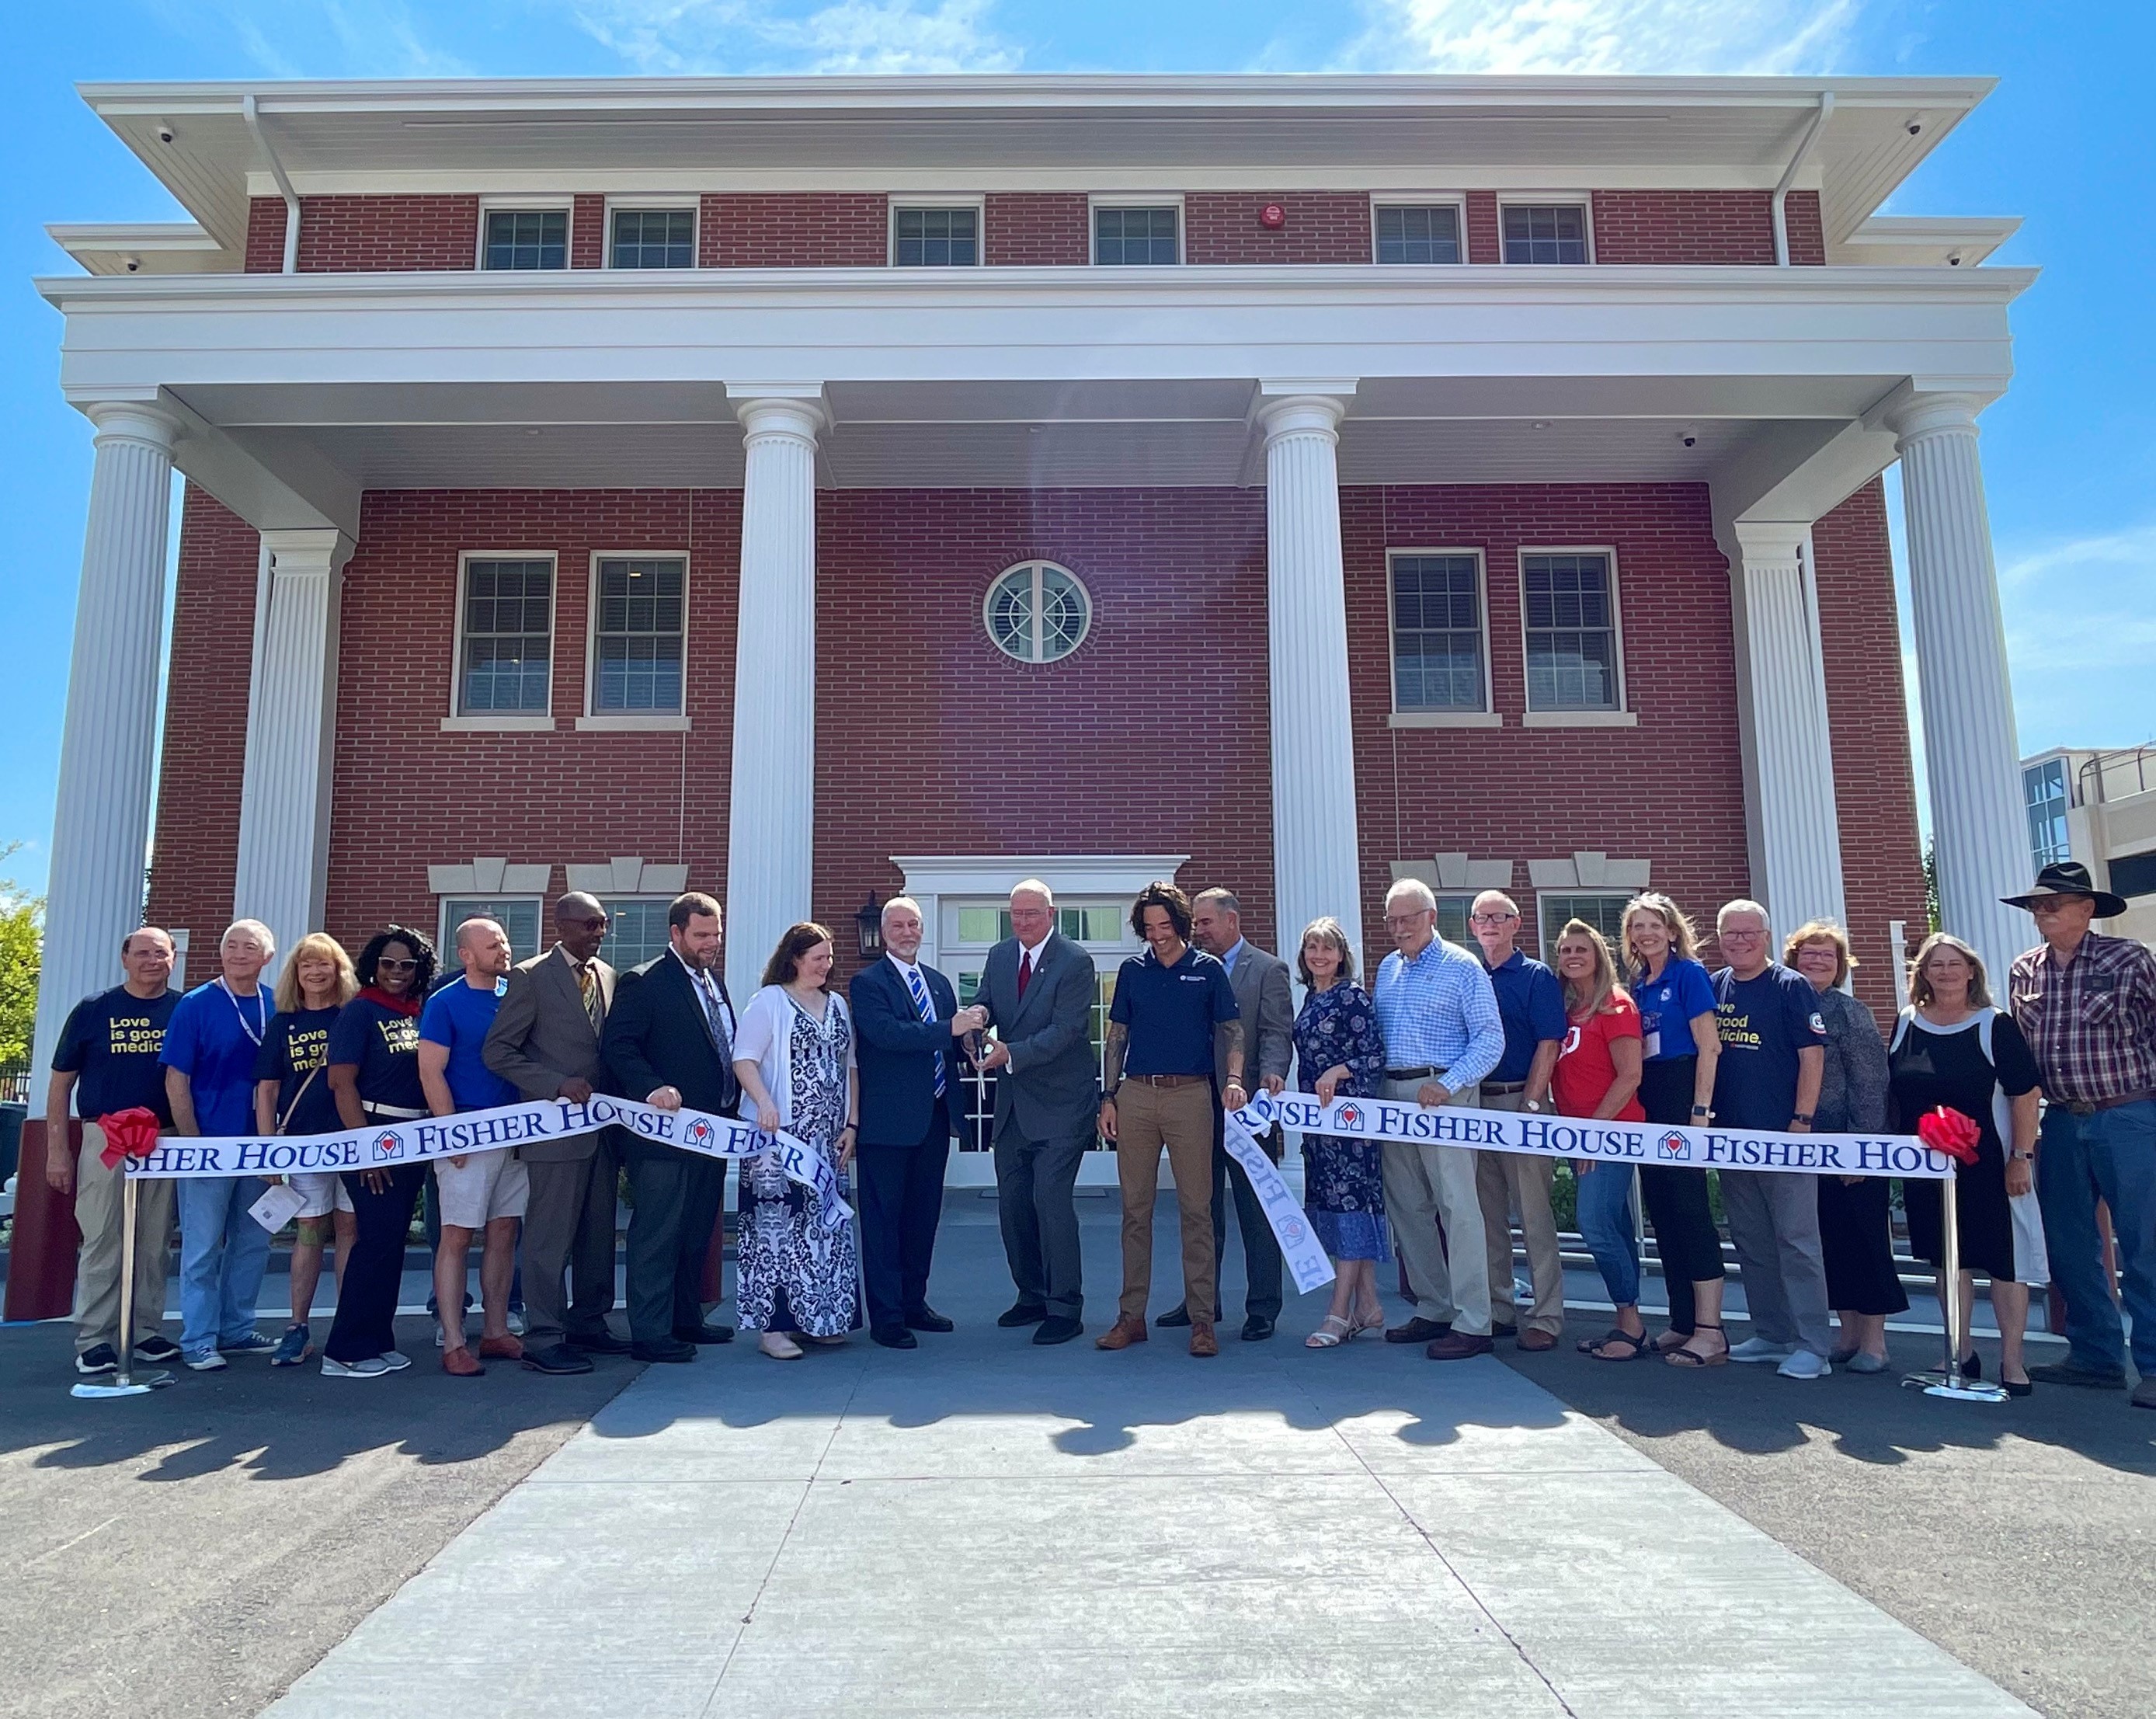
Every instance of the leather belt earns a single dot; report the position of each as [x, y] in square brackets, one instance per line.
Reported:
[2089, 1107]
[1421, 1074]
[1501, 1087]
[394, 1112]
[1172, 1081]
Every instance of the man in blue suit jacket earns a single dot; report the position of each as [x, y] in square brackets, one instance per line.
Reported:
[908, 1028]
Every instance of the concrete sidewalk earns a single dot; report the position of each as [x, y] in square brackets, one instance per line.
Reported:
[981, 1526]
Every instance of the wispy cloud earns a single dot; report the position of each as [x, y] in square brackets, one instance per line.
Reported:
[2133, 548]
[318, 38]
[1602, 36]
[859, 36]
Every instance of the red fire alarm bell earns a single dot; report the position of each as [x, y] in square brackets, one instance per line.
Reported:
[1272, 215]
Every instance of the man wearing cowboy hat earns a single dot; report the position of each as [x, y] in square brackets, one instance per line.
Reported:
[2087, 1006]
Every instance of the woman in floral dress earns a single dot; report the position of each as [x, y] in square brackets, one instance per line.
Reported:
[1339, 1054]
[794, 1054]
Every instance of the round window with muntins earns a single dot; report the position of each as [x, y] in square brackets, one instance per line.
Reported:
[1038, 612]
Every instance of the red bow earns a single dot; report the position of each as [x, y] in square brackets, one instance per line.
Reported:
[128, 1134]
[1951, 1132]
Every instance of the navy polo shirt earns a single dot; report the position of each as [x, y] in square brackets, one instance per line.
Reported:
[1171, 1012]
[1764, 1022]
[1530, 1002]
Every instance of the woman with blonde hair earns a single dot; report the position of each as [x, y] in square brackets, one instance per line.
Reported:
[292, 1095]
[1338, 1053]
[1597, 1077]
[1679, 1050]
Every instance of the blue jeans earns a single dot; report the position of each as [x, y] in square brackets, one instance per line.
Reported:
[2111, 1155]
[1605, 1220]
[222, 1253]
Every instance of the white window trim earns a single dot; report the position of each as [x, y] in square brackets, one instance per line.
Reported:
[1457, 200]
[975, 201]
[1520, 199]
[445, 953]
[1622, 716]
[490, 722]
[1037, 562]
[930, 878]
[1546, 940]
[566, 205]
[597, 721]
[1130, 200]
[670, 200]
[606, 898]
[1487, 716]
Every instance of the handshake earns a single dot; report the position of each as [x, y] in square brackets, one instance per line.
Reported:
[972, 1020]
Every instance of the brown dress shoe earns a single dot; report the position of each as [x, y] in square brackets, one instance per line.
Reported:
[1535, 1342]
[1129, 1328]
[1202, 1340]
[459, 1362]
[1457, 1345]
[500, 1349]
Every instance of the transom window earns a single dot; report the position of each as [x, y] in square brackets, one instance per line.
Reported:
[1572, 632]
[1452, 921]
[636, 635]
[507, 647]
[1038, 612]
[1437, 634]
[1412, 234]
[516, 915]
[528, 239]
[636, 930]
[2044, 788]
[1122, 236]
[936, 238]
[655, 238]
[1605, 912]
[1545, 232]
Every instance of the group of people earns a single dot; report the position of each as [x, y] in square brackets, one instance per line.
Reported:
[870, 1081]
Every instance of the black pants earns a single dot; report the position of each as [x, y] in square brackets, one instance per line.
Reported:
[901, 1196]
[1262, 1254]
[365, 1324]
[1676, 1196]
[678, 1197]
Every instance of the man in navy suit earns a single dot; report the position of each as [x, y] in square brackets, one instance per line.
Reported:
[908, 1028]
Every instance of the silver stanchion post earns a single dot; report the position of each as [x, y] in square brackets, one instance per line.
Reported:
[1947, 1381]
[124, 1383]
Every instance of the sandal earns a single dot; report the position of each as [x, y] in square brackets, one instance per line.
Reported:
[1325, 1338]
[1639, 1346]
[1693, 1358]
[1588, 1346]
[1671, 1338]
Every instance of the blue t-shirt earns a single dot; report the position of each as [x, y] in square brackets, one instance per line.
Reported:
[1763, 1022]
[1530, 1002]
[1668, 1005]
[297, 1056]
[1171, 1012]
[212, 1039]
[458, 1016]
[383, 1044]
[112, 1042]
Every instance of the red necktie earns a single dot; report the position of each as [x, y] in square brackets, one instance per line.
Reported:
[1024, 972]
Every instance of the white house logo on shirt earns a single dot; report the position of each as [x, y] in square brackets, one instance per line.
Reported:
[1819, 1023]
[387, 1144]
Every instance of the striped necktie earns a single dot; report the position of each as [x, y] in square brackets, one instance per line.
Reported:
[587, 988]
[926, 1010]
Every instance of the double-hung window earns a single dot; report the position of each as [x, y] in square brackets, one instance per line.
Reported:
[1439, 657]
[1418, 232]
[518, 917]
[935, 238]
[1604, 911]
[1569, 603]
[653, 239]
[525, 239]
[1124, 235]
[636, 929]
[1545, 232]
[637, 634]
[505, 636]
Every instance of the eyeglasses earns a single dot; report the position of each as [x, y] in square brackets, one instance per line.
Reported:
[393, 965]
[1492, 918]
[1734, 936]
[2055, 904]
[1407, 924]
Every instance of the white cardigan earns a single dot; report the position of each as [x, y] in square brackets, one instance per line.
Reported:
[765, 1037]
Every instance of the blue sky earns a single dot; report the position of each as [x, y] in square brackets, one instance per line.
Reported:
[2070, 453]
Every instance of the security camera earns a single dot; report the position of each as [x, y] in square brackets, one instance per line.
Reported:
[1915, 126]
[164, 134]
[133, 265]
[1688, 438]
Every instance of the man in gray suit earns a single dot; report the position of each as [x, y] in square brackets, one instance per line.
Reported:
[545, 1042]
[1039, 989]
[1262, 994]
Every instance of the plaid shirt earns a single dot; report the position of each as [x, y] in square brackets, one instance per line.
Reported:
[2092, 1023]
[1438, 1010]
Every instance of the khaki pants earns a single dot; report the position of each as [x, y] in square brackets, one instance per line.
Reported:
[1504, 1180]
[1425, 1181]
[98, 1193]
[1181, 1119]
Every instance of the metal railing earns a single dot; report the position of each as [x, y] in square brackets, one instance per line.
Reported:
[2104, 777]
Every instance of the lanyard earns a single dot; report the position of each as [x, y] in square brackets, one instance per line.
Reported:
[261, 1009]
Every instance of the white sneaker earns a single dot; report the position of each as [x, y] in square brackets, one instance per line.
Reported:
[515, 1323]
[1804, 1364]
[372, 1367]
[205, 1361]
[395, 1361]
[1757, 1349]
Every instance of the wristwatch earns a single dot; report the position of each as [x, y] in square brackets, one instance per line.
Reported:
[2027, 1157]
[1701, 1111]
[1804, 1116]
[1535, 1105]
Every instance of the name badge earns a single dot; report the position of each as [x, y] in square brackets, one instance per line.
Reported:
[1650, 1044]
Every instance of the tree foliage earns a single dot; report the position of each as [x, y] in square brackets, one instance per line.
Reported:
[22, 941]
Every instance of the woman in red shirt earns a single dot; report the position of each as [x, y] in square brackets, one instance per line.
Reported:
[1598, 1076]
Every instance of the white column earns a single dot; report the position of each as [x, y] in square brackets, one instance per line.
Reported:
[770, 808]
[282, 870]
[1970, 756]
[101, 822]
[1795, 839]
[1317, 866]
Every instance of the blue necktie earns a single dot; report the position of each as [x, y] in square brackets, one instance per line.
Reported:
[927, 1012]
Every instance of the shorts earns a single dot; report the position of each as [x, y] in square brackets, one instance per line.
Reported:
[325, 1193]
[491, 1184]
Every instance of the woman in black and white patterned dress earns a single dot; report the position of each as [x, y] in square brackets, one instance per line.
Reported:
[794, 1054]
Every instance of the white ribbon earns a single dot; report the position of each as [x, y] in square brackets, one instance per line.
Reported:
[382, 1145]
[1299, 1247]
[1553, 1136]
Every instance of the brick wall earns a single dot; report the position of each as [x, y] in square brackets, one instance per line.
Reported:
[1670, 790]
[356, 234]
[1874, 782]
[1037, 229]
[794, 230]
[196, 844]
[1322, 227]
[587, 239]
[1702, 227]
[1482, 245]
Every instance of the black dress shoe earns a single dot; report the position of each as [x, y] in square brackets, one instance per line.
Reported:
[1021, 1313]
[1418, 1330]
[561, 1358]
[1507, 1331]
[927, 1318]
[894, 1337]
[664, 1349]
[598, 1342]
[1257, 1328]
[706, 1333]
[1179, 1315]
[1056, 1329]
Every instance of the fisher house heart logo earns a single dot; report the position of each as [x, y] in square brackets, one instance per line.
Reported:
[699, 1133]
[387, 1144]
[1349, 1115]
[1674, 1145]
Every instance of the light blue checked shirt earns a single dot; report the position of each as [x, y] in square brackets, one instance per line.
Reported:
[1439, 1010]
